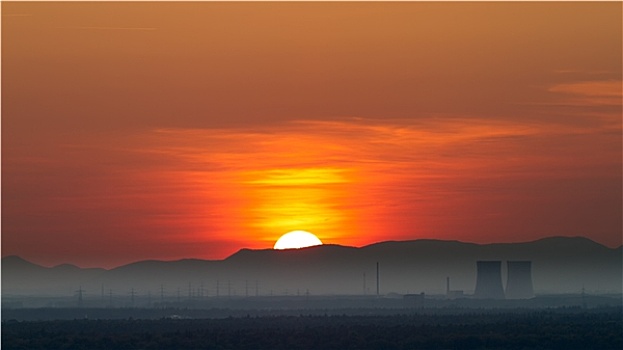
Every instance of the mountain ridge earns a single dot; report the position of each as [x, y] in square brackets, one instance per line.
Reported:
[559, 264]
[13, 259]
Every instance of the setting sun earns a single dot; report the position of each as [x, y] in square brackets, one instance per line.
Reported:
[297, 239]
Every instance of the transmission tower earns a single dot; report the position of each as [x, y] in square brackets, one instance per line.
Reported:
[80, 292]
[132, 293]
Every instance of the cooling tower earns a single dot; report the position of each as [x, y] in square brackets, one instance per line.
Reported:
[519, 282]
[489, 280]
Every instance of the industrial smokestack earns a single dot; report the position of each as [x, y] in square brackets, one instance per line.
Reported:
[377, 278]
[447, 285]
[519, 280]
[489, 280]
[364, 283]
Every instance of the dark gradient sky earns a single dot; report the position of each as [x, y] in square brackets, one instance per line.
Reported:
[138, 131]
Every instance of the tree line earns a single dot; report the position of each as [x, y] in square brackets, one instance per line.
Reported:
[542, 329]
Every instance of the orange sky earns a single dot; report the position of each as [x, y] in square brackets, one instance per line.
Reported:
[138, 131]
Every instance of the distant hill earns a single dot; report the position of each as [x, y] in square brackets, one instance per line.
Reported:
[559, 264]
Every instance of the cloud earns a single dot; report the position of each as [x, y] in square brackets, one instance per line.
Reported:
[591, 93]
[111, 28]
[352, 181]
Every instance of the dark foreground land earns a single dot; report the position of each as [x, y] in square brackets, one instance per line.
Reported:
[559, 328]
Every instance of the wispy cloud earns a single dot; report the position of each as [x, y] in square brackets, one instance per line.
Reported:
[110, 28]
[597, 93]
[351, 182]
[363, 173]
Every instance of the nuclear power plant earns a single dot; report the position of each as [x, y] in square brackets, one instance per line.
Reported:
[489, 280]
[519, 280]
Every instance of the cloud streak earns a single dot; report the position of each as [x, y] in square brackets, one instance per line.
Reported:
[111, 28]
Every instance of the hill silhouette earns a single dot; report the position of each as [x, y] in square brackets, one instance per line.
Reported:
[559, 265]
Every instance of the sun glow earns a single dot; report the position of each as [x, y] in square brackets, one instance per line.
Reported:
[297, 239]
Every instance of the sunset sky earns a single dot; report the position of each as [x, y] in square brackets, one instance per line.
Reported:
[136, 131]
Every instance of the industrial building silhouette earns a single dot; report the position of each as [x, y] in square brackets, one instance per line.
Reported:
[489, 280]
[518, 282]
